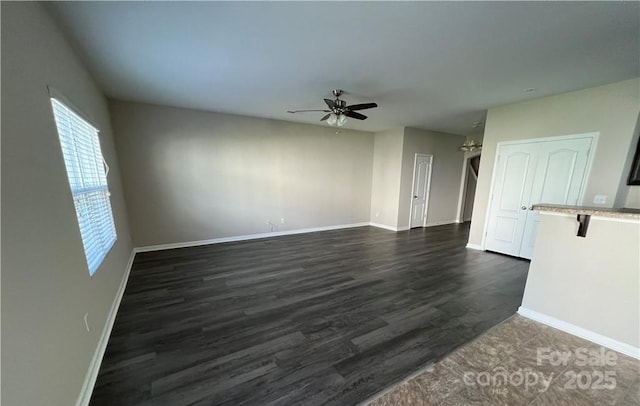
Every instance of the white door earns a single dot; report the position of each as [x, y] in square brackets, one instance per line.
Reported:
[560, 178]
[552, 172]
[420, 193]
[515, 169]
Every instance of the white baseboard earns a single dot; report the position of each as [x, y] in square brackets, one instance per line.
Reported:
[96, 361]
[405, 228]
[440, 223]
[245, 237]
[581, 332]
[390, 228]
[475, 246]
[196, 243]
[384, 226]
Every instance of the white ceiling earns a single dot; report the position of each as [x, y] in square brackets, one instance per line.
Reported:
[431, 65]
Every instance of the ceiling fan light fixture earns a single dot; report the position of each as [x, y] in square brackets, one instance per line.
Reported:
[336, 120]
[470, 145]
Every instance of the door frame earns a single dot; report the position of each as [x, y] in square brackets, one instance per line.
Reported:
[463, 185]
[592, 151]
[413, 184]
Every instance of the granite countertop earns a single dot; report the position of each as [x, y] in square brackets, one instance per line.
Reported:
[622, 213]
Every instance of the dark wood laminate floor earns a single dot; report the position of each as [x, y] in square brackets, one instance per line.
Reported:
[327, 318]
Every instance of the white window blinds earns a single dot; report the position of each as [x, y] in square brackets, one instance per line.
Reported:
[87, 173]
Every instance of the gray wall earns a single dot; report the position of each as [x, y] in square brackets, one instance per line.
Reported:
[591, 282]
[612, 110]
[629, 196]
[46, 288]
[387, 166]
[445, 174]
[393, 162]
[633, 198]
[195, 175]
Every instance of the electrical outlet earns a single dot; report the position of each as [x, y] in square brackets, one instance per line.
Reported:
[268, 222]
[377, 214]
[282, 220]
[600, 199]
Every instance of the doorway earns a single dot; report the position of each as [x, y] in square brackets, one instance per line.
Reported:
[550, 171]
[420, 191]
[470, 181]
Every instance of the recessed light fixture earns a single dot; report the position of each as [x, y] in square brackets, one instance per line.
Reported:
[530, 89]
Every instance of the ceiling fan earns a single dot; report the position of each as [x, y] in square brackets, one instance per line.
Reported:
[338, 111]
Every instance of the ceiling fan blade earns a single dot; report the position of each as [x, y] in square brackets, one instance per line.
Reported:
[325, 117]
[355, 115]
[330, 103]
[304, 111]
[362, 106]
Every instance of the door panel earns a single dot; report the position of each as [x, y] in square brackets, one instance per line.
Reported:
[513, 180]
[506, 229]
[529, 235]
[421, 179]
[559, 179]
[561, 171]
[558, 174]
[513, 184]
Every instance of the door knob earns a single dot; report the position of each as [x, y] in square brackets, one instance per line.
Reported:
[523, 207]
[415, 197]
[530, 207]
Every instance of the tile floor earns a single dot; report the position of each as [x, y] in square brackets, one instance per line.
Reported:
[522, 362]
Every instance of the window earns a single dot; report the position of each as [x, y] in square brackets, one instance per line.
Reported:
[87, 173]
